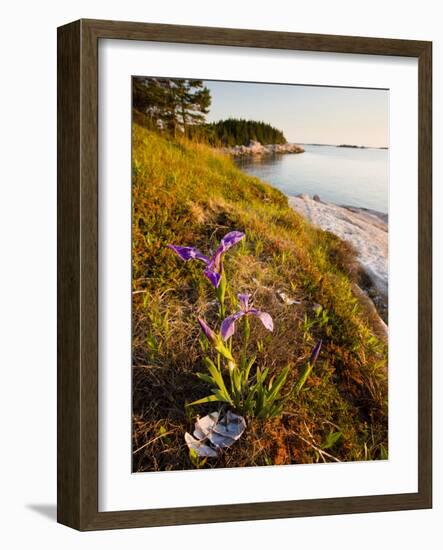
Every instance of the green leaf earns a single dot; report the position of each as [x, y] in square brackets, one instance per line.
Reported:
[196, 460]
[271, 381]
[331, 440]
[209, 362]
[303, 377]
[278, 384]
[249, 365]
[218, 378]
[261, 375]
[236, 376]
[222, 397]
[206, 378]
[223, 350]
[260, 400]
[163, 433]
[204, 344]
[249, 403]
[208, 399]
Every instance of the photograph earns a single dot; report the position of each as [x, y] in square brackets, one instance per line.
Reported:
[259, 274]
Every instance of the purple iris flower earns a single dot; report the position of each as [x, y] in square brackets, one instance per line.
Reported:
[215, 340]
[246, 308]
[315, 352]
[208, 332]
[214, 265]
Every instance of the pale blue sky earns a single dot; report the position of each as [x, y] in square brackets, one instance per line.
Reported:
[307, 114]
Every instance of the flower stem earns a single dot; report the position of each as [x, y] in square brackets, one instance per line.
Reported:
[246, 334]
[221, 291]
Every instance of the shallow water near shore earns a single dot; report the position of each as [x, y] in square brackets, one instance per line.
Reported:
[341, 175]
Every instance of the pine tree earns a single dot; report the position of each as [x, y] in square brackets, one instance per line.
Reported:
[173, 105]
[233, 131]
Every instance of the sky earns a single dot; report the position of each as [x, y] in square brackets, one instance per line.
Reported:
[307, 114]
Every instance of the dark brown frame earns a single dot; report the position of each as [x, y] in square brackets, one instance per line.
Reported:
[77, 456]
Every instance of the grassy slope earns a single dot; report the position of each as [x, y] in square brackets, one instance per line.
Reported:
[187, 194]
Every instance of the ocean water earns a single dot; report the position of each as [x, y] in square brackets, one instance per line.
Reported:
[342, 175]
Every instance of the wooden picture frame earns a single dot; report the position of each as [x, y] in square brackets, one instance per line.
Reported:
[78, 273]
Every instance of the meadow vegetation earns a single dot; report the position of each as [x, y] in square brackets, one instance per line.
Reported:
[186, 193]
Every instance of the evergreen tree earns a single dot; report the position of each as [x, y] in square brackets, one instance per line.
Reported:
[233, 131]
[173, 105]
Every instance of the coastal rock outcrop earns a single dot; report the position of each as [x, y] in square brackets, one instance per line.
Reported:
[256, 148]
[366, 230]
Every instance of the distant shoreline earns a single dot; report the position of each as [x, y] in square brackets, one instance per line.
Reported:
[255, 148]
[345, 146]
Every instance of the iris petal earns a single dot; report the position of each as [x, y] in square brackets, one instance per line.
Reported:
[189, 253]
[214, 265]
[230, 239]
[244, 301]
[213, 276]
[264, 317]
[209, 333]
[315, 352]
[227, 328]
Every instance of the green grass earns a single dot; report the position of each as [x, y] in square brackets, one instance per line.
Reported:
[188, 194]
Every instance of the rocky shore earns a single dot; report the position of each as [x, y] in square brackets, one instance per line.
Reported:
[367, 231]
[256, 148]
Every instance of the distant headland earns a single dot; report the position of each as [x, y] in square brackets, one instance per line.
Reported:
[345, 145]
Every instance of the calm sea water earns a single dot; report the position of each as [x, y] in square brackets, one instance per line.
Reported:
[346, 176]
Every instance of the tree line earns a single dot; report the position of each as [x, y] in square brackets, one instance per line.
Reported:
[179, 107]
[235, 131]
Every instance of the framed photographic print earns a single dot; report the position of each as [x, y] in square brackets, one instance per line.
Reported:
[244, 275]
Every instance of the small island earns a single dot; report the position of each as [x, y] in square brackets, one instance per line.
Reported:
[241, 137]
[349, 146]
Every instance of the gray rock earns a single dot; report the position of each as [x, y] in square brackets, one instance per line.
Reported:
[256, 148]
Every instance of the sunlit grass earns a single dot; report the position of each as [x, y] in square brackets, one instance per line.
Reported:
[185, 193]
